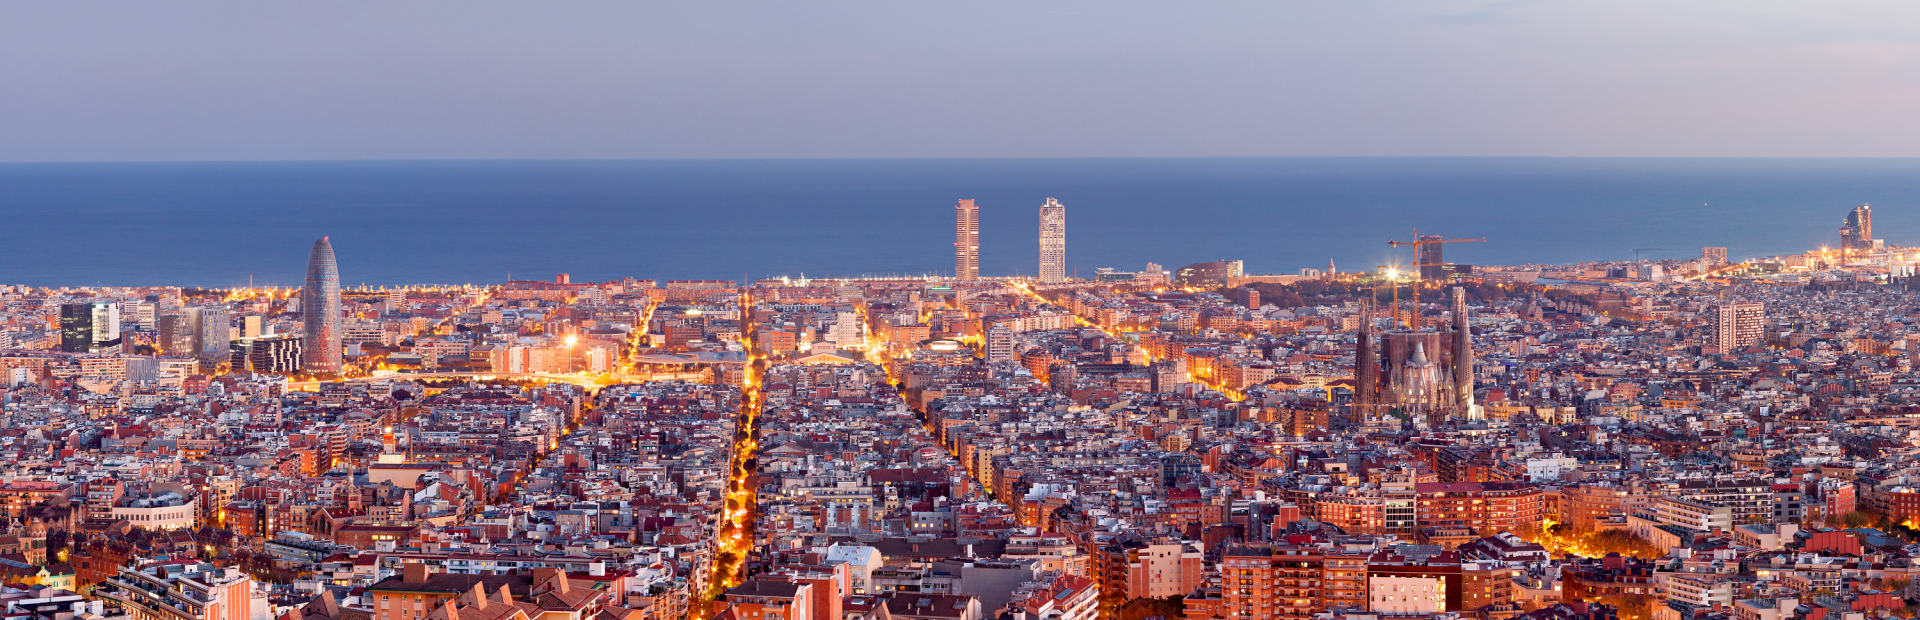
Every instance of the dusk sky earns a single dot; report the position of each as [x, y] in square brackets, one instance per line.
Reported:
[340, 79]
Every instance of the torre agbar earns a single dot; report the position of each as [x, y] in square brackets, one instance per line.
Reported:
[320, 311]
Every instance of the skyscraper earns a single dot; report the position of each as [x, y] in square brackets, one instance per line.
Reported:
[211, 336]
[1736, 326]
[90, 328]
[1053, 242]
[76, 327]
[966, 241]
[320, 311]
[1857, 234]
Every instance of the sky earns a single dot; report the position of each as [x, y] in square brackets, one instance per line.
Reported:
[614, 79]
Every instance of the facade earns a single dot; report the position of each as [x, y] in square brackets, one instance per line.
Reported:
[1053, 242]
[1484, 507]
[1713, 256]
[167, 512]
[211, 337]
[999, 344]
[1693, 514]
[1857, 234]
[1736, 326]
[90, 328]
[769, 598]
[320, 311]
[275, 354]
[966, 241]
[76, 327]
[181, 592]
[1207, 276]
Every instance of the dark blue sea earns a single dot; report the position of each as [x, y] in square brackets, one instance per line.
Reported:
[414, 222]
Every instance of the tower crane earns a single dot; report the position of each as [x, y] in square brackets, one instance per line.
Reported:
[1420, 256]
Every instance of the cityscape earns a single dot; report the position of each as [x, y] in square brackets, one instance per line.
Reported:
[1673, 439]
[986, 310]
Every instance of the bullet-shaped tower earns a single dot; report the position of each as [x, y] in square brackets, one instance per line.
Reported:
[320, 311]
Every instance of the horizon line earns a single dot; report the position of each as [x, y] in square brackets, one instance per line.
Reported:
[946, 158]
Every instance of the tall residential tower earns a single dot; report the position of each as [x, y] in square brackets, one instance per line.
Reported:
[1053, 242]
[966, 241]
[320, 311]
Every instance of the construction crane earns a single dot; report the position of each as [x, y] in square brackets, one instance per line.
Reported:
[1637, 251]
[1421, 254]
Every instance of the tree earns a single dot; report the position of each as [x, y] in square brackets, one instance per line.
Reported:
[1143, 608]
[1630, 606]
[1624, 543]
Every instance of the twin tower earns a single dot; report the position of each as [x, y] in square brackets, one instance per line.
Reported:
[1053, 241]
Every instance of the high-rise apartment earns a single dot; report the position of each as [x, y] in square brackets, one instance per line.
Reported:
[1285, 581]
[966, 241]
[1736, 326]
[211, 335]
[999, 343]
[1713, 256]
[320, 311]
[1857, 234]
[176, 335]
[1053, 242]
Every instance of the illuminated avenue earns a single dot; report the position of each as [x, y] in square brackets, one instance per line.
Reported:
[1661, 439]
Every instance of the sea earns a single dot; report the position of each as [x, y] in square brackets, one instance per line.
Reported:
[222, 224]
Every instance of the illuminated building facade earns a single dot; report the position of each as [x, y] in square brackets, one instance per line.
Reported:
[1053, 242]
[1206, 276]
[90, 328]
[210, 337]
[1857, 234]
[320, 311]
[275, 354]
[966, 241]
[1736, 326]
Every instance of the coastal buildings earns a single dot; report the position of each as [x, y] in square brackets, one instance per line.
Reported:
[1713, 257]
[637, 449]
[320, 311]
[1053, 242]
[966, 240]
[1856, 235]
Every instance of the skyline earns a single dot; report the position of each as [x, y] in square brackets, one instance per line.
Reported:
[1429, 310]
[836, 215]
[367, 81]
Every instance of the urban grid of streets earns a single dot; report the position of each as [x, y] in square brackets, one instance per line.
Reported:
[1651, 439]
